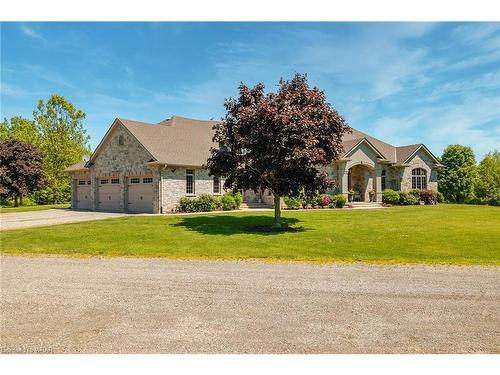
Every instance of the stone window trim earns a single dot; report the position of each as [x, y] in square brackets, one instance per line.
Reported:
[190, 182]
[419, 178]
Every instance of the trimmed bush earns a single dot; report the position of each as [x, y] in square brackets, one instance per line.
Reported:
[390, 196]
[340, 200]
[439, 196]
[205, 203]
[293, 203]
[228, 202]
[186, 205]
[407, 199]
[415, 193]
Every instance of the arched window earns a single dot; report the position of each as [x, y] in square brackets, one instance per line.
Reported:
[418, 178]
[383, 180]
[121, 140]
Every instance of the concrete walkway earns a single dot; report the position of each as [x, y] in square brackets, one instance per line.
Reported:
[29, 219]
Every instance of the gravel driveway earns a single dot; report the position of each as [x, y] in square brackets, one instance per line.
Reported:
[28, 219]
[119, 305]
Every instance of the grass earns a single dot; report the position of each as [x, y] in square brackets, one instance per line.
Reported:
[444, 234]
[6, 210]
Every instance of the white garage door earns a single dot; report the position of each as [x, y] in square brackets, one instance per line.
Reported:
[109, 194]
[83, 201]
[140, 194]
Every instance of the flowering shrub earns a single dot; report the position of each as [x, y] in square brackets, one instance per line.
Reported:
[407, 199]
[325, 201]
[428, 196]
[340, 200]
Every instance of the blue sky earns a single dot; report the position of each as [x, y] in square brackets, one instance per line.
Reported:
[436, 83]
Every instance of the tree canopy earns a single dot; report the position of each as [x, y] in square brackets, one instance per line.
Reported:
[277, 141]
[21, 129]
[64, 141]
[21, 169]
[457, 178]
[487, 189]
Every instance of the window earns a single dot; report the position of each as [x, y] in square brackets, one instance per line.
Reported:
[88, 182]
[81, 182]
[121, 140]
[115, 180]
[216, 185]
[189, 181]
[419, 179]
[104, 181]
[135, 180]
[383, 180]
[147, 180]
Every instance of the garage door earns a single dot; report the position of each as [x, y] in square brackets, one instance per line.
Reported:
[140, 194]
[83, 201]
[109, 194]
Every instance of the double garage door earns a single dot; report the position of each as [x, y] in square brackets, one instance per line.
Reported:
[139, 194]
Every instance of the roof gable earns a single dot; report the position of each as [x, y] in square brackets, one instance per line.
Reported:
[350, 146]
[412, 151]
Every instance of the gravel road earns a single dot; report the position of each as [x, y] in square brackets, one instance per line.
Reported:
[122, 305]
[30, 219]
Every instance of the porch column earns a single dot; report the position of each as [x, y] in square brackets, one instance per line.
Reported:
[343, 178]
[378, 182]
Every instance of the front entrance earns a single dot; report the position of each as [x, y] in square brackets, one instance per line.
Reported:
[361, 182]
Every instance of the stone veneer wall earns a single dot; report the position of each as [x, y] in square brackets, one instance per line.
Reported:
[420, 160]
[122, 161]
[173, 186]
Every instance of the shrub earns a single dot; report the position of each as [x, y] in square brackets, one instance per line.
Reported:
[415, 193]
[324, 201]
[390, 196]
[186, 205]
[340, 200]
[205, 203]
[228, 202]
[439, 196]
[292, 202]
[428, 196]
[407, 199]
[238, 198]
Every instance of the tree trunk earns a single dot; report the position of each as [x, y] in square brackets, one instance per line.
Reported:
[15, 201]
[277, 211]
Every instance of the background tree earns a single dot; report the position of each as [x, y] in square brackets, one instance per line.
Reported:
[64, 141]
[487, 188]
[457, 178]
[20, 128]
[277, 141]
[21, 169]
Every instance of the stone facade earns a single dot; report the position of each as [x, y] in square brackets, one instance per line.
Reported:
[420, 160]
[173, 186]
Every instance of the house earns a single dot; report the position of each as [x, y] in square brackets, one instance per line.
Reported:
[142, 167]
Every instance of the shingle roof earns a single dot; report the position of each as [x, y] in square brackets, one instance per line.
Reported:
[80, 166]
[176, 141]
[183, 141]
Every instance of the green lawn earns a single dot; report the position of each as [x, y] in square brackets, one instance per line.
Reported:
[6, 210]
[444, 234]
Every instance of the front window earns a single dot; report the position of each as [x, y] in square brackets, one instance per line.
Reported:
[216, 185]
[189, 181]
[419, 179]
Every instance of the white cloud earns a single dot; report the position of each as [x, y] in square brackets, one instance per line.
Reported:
[31, 33]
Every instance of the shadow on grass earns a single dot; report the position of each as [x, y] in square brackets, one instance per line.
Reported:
[229, 225]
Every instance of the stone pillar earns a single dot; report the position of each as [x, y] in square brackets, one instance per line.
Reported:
[343, 179]
[123, 193]
[378, 182]
[94, 183]
[156, 190]
[74, 198]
